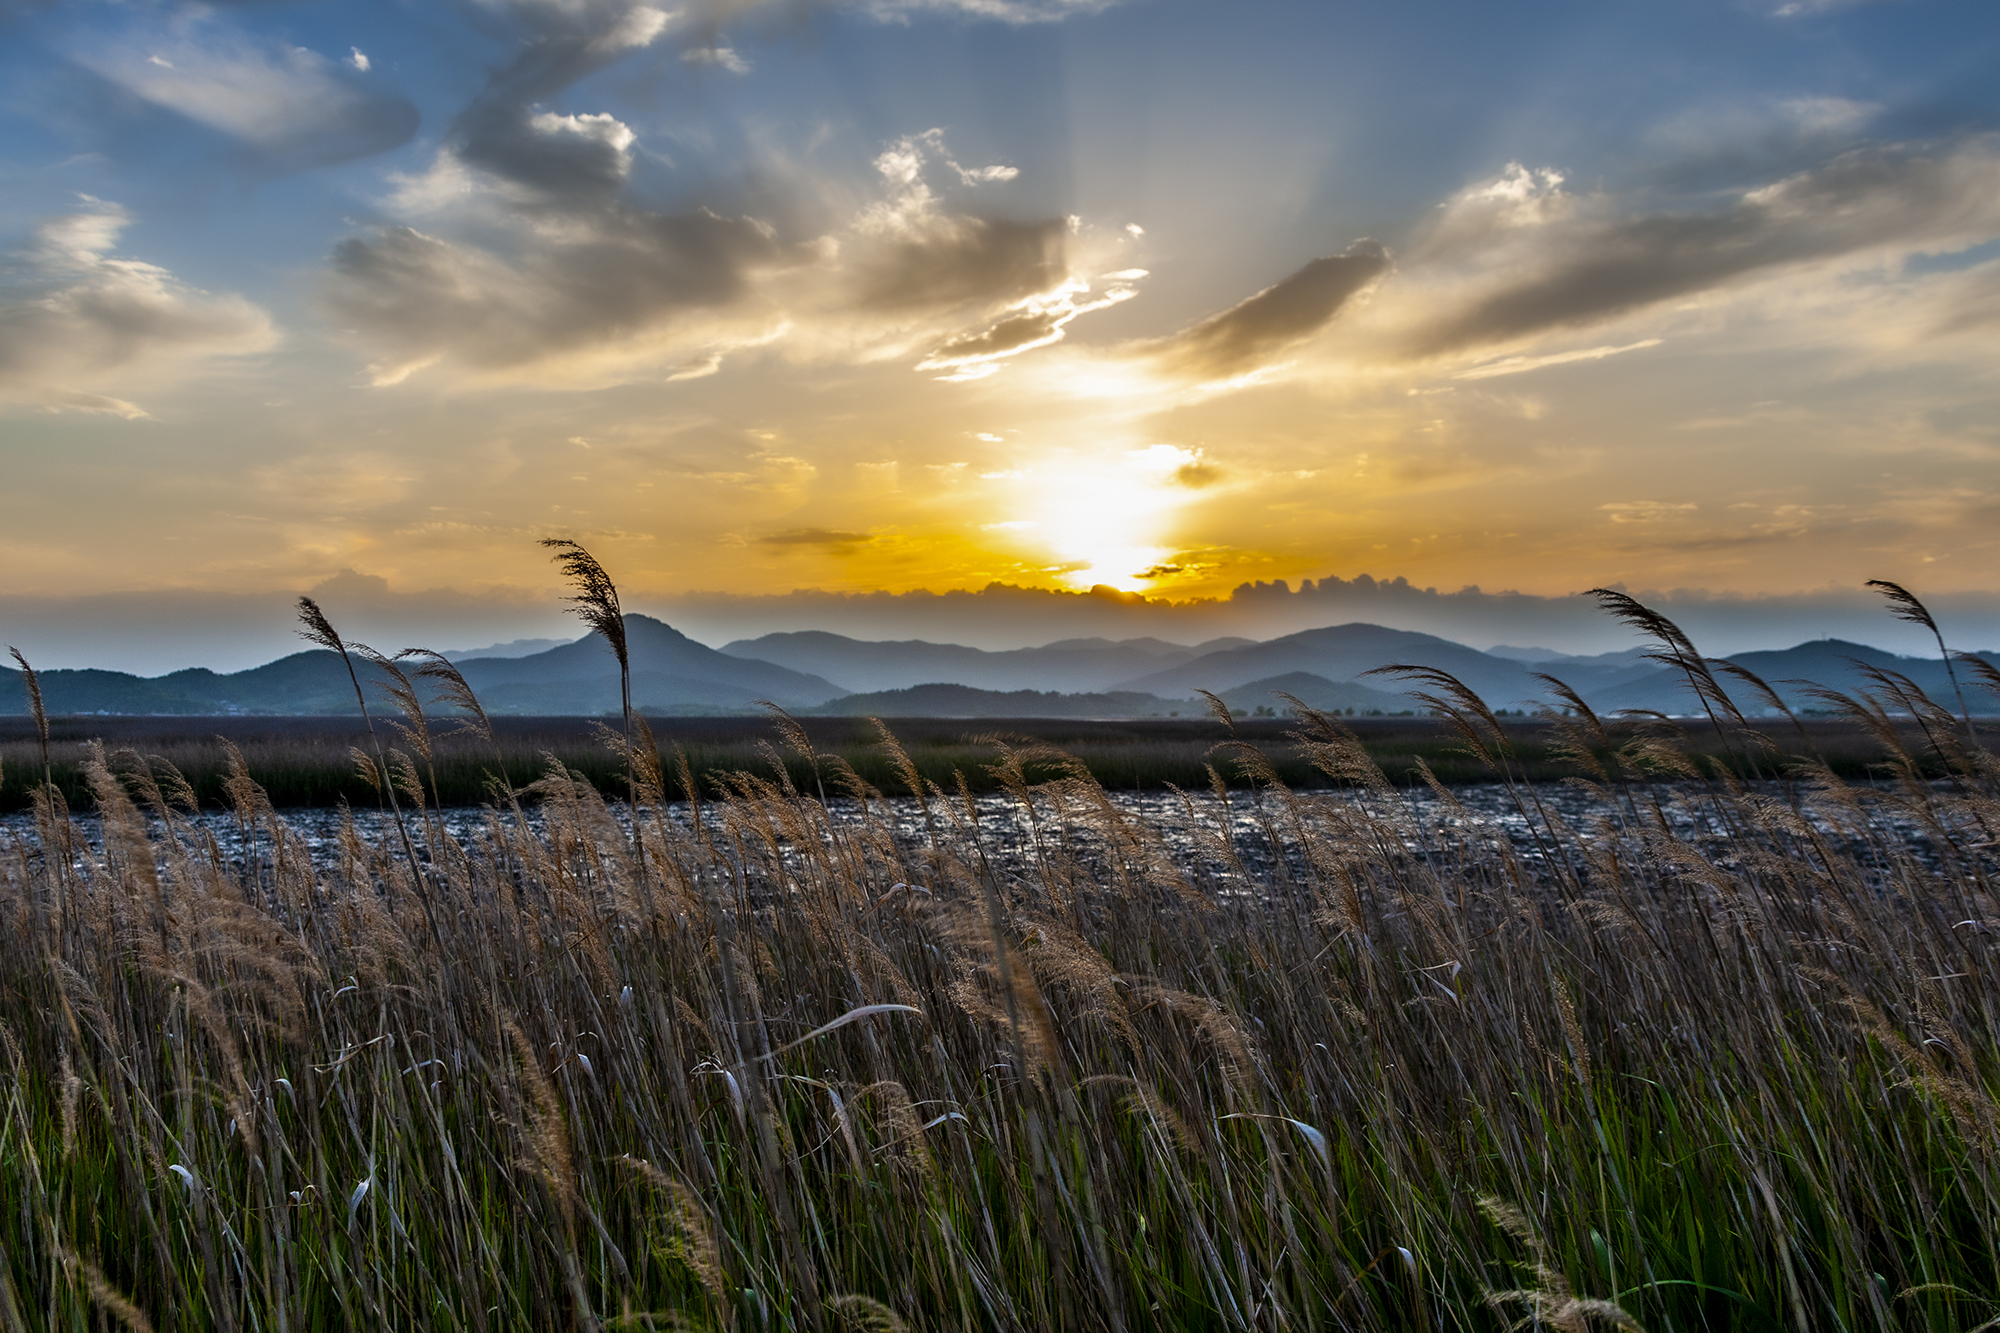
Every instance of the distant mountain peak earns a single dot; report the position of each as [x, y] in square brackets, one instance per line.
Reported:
[511, 648]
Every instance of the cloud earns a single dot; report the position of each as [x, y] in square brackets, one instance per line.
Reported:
[1724, 144]
[570, 281]
[912, 252]
[1515, 365]
[1277, 317]
[1003, 11]
[564, 162]
[419, 299]
[1197, 473]
[577, 13]
[1016, 333]
[1521, 258]
[1000, 616]
[822, 537]
[1793, 9]
[566, 266]
[1644, 511]
[1035, 322]
[1972, 304]
[74, 318]
[610, 24]
[102, 403]
[723, 57]
[524, 247]
[698, 369]
[952, 260]
[286, 108]
[338, 481]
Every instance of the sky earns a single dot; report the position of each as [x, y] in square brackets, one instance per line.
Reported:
[796, 313]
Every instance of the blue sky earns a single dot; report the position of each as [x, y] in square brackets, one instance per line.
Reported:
[1163, 295]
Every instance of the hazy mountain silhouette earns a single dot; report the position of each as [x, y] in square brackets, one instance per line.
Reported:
[669, 671]
[1344, 652]
[1068, 665]
[511, 648]
[1548, 657]
[672, 673]
[1328, 696]
[941, 700]
[1830, 663]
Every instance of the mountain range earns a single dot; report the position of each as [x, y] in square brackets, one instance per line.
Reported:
[1073, 666]
[670, 673]
[830, 673]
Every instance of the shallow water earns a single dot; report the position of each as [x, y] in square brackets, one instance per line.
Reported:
[1192, 829]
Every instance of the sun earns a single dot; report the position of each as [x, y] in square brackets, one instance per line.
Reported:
[1104, 520]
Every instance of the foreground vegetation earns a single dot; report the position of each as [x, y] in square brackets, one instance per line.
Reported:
[1725, 1058]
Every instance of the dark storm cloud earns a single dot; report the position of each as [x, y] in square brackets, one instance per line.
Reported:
[1278, 316]
[1587, 272]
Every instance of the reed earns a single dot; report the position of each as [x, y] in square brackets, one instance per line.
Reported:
[308, 761]
[1724, 1057]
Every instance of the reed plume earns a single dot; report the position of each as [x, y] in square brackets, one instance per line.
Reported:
[33, 685]
[1903, 605]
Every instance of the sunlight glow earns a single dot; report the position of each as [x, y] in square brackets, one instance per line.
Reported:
[1104, 519]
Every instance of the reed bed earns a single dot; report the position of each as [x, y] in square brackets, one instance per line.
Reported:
[754, 1061]
[308, 761]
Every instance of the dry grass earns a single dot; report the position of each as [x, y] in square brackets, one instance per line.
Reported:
[772, 1069]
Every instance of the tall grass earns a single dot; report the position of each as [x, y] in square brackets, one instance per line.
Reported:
[1723, 1058]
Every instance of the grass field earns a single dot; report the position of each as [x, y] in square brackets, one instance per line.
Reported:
[1719, 1056]
[779, 1071]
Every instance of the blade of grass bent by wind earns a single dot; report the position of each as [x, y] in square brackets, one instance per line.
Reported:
[1903, 605]
[854, 1015]
[1678, 651]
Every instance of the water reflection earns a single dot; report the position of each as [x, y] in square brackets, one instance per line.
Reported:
[1242, 842]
